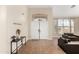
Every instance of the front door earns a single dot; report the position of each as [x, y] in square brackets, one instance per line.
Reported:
[39, 28]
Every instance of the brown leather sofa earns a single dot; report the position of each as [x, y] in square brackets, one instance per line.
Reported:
[69, 48]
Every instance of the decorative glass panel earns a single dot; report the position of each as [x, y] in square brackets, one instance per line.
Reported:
[66, 22]
[60, 22]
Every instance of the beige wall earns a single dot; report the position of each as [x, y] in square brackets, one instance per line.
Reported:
[76, 26]
[16, 14]
[3, 30]
[48, 12]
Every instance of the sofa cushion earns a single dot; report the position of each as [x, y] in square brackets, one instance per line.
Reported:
[74, 42]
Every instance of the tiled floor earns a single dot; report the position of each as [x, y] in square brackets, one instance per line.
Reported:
[42, 46]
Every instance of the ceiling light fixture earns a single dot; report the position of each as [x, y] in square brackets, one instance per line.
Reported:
[73, 6]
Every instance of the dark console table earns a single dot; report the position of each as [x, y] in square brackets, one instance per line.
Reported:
[15, 51]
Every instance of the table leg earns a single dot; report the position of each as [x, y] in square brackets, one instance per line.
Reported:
[21, 41]
[11, 47]
[16, 48]
[25, 40]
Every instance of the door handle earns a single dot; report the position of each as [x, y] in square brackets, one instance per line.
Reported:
[39, 30]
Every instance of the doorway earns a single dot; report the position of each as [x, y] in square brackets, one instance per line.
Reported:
[39, 28]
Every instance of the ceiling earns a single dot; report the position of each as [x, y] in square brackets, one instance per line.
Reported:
[65, 11]
[61, 10]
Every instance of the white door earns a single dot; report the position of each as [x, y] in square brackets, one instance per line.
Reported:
[39, 29]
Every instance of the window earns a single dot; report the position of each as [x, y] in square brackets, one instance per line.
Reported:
[65, 26]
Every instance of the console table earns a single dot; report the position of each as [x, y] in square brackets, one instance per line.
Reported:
[15, 51]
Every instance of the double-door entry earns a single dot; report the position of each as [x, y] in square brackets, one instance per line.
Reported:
[39, 28]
